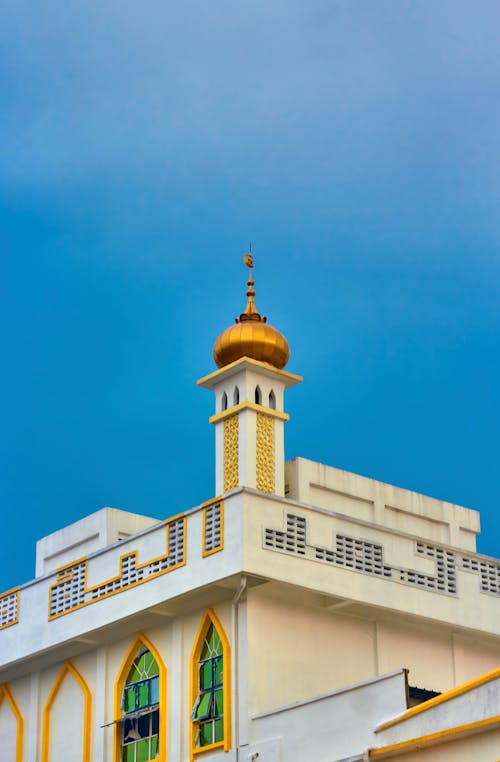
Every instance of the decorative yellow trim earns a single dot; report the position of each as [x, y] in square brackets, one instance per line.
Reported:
[68, 668]
[234, 366]
[3, 611]
[264, 455]
[446, 696]
[248, 406]
[5, 693]
[141, 640]
[220, 546]
[63, 575]
[209, 618]
[441, 736]
[231, 453]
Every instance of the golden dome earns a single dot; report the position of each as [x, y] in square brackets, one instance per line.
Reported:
[251, 336]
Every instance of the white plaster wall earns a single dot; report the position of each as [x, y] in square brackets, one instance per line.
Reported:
[8, 732]
[468, 609]
[477, 748]
[473, 659]
[426, 653]
[96, 531]
[297, 652]
[330, 727]
[67, 722]
[394, 507]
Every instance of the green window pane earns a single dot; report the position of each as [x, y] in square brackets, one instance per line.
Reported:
[129, 699]
[142, 748]
[153, 668]
[218, 730]
[129, 753]
[211, 637]
[143, 695]
[203, 707]
[206, 675]
[218, 670]
[217, 648]
[133, 676]
[219, 703]
[154, 747]
[206, 734]
[147, 661]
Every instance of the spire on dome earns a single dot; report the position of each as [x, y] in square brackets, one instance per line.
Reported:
[251, 312]
[252, 336]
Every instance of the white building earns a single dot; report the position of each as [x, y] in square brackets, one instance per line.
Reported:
[306, 614]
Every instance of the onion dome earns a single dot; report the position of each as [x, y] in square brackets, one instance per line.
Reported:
[251, 336]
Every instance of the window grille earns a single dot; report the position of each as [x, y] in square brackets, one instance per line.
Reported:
[208, 710]
[212, 539]
[141, 710]
[9, 609]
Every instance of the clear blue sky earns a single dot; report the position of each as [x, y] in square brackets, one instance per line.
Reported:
[142, 145]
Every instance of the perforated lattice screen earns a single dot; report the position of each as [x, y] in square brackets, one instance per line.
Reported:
[368, 557]
[70, 591]
[212, 539]
[9, 603]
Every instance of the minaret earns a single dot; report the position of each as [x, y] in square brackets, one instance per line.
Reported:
[249, 390]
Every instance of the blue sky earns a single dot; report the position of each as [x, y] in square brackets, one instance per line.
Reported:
[142, 145]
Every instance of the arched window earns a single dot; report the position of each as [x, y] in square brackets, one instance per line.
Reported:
[211, 712]
[272, 400]
[141, 727]
[258, 396]
[236, 396]
[224, 401]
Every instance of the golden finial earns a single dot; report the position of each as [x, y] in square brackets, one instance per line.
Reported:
[250, 311]
[252, 337]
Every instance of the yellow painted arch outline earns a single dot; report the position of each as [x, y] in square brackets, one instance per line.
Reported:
[6, 694]
[209, 618]
[141, 640]
[68, 669]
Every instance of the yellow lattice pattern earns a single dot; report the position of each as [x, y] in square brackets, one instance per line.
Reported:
[231, 447]
[265, 453]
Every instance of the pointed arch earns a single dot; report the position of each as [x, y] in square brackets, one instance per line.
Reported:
[210, 619]
[141, 641]
[272, 400]
[68, 669]
[5, 694]
[258, 395]
[236, 396]
[224, 401]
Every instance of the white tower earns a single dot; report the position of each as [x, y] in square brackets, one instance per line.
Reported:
[249, 397]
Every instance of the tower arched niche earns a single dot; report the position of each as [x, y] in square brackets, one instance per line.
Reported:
[11, 727]
[210, 687]
[124, 695]
[62, 740]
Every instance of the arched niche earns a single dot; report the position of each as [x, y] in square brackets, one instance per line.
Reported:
[11, 727]
[67, 718]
